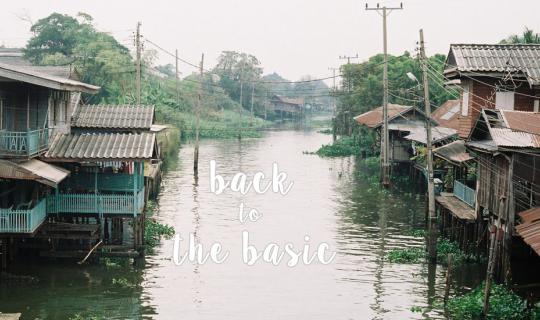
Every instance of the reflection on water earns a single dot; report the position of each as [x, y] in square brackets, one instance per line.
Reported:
[330, 202]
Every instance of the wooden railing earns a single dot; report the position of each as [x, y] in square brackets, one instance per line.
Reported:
[464, 193]
[76, 203]
[22, 221]
[23, 143]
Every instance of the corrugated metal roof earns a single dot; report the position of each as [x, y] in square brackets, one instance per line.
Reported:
[529, 229]
[523, 58]
[114, 117]
[33, 170]
[447, 115]
[101, 146]
[511, 129]
[453, 152]
[29, 74]
[374, 118]
[437, 134]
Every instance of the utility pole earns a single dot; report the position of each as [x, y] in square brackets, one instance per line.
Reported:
[177, 79]
[334, 103]
[265, 105]
[241, 107]
[347, 113]
[138, 63]
[432, 248]
[385, 138]
[198, 120]
[252, 96]
[348, 58]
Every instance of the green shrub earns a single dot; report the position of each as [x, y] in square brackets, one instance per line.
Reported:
[342, 147]
[407, 255]
[154, 230]
[503, 304]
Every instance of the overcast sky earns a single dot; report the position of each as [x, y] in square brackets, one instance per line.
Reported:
[291, 37]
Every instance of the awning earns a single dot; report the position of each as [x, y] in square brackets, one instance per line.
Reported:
[529, 229]
[34, 169]
[454, 152]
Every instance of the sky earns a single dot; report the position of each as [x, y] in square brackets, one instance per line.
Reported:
[294, 38]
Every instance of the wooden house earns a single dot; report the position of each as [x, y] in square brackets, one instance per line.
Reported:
[406, 125]
[287, 107]
[500, 76]
[506, 145]
[58, 179]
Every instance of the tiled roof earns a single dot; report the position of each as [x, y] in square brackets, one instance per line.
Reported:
[447, 115]
[524, 58]
[114, 117]
[374, 118]
[101, 146]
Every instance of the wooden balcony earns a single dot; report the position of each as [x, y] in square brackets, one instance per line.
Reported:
[107, 204]
[23, 221]
[23, 143]
[464, 193]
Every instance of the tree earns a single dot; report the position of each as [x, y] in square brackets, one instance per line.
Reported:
[64, 40]
[527, 37]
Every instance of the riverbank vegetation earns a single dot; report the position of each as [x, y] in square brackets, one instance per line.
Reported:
[154, 230]
[232, 91]
[445, 248]
[504, 304]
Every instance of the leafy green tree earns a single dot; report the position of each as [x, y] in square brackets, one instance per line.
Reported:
[101, 60]
[527, 37]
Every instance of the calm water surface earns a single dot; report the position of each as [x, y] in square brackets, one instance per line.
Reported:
[330, 201]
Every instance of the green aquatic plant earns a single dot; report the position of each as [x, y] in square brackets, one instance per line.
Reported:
[407, 255]
[342, 147]
[504, 304]
[154, 231]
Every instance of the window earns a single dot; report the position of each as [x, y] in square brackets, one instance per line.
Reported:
[465, 99]
[504, 100]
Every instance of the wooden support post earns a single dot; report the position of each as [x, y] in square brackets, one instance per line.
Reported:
[492, 258]
[448, 279]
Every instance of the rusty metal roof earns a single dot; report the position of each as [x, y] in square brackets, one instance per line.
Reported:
[454, 152]
[114, 117]
[101, 146]
[374, 118]
[529, 229]
[33, 170]
[510, 129]
[447, 115]
[520, 58]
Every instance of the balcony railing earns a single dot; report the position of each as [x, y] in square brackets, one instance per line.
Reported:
[23, 143]
[464, 193]
[75, 203]
[22, 221]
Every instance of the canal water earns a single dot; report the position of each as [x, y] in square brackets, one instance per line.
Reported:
[332, 201]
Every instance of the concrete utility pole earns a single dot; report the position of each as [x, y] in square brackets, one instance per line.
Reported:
[198, 120]
[241, 107]
[348, 58]
[334, 107]
[177, 79]
[432, 247]
[385, 146]
[138, 63]
[252, 97]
